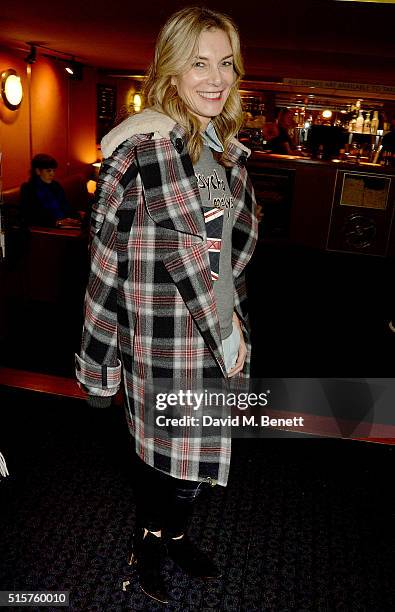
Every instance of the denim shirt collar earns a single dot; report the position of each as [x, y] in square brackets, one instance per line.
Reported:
[211, 139]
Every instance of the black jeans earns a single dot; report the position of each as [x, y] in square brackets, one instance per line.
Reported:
[163, 502]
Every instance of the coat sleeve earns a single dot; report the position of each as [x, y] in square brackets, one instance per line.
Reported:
[98, 368]
[245, 228]
[244, 238]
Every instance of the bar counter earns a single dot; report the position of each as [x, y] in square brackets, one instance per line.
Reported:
[262, 156]
[327, 205]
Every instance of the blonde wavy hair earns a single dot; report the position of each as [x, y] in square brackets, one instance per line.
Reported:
[175, 47]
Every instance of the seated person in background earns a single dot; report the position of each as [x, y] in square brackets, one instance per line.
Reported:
[43, 200]
[282, 142]
[388, 141]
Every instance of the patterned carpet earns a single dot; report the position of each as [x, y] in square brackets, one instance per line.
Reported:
[305, 524]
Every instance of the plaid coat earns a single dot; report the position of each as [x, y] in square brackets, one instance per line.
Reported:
[150, 311]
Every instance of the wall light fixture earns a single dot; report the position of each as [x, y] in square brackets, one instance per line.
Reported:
[137, 102]
[11, 89]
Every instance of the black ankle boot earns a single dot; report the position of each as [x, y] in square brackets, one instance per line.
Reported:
[190, 559]
[147, 554]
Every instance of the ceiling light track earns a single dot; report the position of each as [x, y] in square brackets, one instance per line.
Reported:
[73, 67]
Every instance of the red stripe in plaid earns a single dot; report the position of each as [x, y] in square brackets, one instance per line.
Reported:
[214, 245]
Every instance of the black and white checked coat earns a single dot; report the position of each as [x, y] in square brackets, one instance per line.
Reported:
[150, 310]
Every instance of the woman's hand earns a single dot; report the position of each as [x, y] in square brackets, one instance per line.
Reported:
[242, 354]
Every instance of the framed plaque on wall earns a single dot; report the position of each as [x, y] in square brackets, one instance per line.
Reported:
[106, 109]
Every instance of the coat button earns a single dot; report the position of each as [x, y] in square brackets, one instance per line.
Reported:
[179, 145]
[243, 159]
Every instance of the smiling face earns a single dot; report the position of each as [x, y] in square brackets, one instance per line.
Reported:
[206, 85]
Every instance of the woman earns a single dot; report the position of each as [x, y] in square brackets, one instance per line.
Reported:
[43, 200]
[172, 230]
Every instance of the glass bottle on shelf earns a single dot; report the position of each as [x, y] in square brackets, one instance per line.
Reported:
[374, 124]
[359, 123]
[353, 121]
[386, 158]
[366, 124]
[354, 152]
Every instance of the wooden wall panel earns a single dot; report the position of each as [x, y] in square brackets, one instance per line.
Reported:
[49, 99]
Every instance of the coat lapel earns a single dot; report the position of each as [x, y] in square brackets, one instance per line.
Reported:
[170, 186]
[190, 271]
[173, 202]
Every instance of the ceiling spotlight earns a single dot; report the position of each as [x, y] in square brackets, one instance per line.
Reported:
[74, 70]
[31, 57]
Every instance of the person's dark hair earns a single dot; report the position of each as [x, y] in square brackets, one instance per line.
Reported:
[44, 161]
